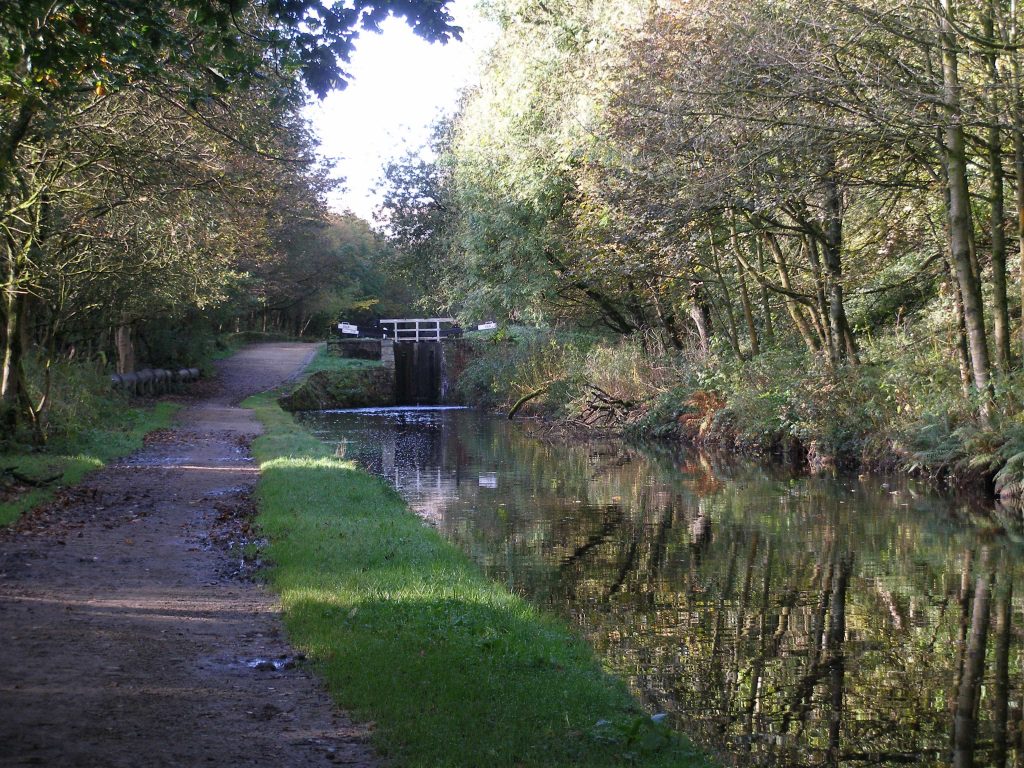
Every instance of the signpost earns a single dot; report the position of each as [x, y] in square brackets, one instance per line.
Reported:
[348, 328]
[487, 326]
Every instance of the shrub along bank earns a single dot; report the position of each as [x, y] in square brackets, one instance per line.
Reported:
[903, 408]
[407, 632]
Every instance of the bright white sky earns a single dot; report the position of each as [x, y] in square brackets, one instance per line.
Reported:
[401, 85]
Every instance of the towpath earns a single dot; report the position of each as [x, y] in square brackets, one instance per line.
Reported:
[128, 635]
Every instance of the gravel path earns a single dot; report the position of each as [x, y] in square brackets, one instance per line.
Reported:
[129, 634]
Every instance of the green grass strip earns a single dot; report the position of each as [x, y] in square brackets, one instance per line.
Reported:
[408, 632]
[325, 360]
[74, 457]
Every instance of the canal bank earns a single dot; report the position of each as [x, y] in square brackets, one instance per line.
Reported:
[454, 669]
[778, 618]
[774, 617]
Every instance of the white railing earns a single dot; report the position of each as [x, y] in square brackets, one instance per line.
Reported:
[415, 329]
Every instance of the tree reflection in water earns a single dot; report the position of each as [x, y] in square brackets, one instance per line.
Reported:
[779, 620]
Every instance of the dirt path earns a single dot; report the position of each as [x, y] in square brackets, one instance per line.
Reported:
[127, 636]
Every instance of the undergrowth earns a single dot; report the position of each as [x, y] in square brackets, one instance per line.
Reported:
[86, 425]
[517, 361]
[902, 408]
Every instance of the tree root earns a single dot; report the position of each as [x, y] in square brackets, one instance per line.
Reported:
[35, 482]
[525, 399]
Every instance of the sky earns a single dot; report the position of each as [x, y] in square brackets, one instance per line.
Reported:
[401, 85]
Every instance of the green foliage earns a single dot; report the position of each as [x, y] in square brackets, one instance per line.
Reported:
[783, 396]
[760, 403]
[420, 217]
[902, 407]
[453, 669]
[487, 210]
[956, 448]
[50, 53]
[660, 420]
[80, 396]
[1009, 479]
[519, 360]
[667, 170]
[633, 369]
[327, 270]
[107, 224]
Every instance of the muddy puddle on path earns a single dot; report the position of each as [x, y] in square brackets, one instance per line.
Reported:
[783, 620]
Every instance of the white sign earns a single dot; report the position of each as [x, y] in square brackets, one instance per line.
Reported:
[487, 326]
[488, 480]
[347, 328]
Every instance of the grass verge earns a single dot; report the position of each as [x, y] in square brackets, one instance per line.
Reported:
[325, 360]
[69, 459]
[332, 381]
[407, 632]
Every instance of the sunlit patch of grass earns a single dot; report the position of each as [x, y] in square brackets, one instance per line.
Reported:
[66, 460]
[407, 632]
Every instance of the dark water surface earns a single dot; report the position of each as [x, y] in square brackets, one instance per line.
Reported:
[782, 620]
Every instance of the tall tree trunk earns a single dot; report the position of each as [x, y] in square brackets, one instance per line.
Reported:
[125, 347]
[10, 373]
[810, 246]
[841, 333]
[748, 310]
[666, 317]
[965, 724]
[963, 354]
[852, 351]
[748, 313]
[766, 307]
[961, 228]
[731, 330]
[1000, 310]
[700, 313]
[792, 305]
[26, 324]
[13, 395]
[1017, 113]
[15, 400]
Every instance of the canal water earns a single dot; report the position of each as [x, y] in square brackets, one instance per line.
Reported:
[779, 620]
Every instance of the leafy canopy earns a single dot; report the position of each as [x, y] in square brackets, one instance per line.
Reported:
[52, 49]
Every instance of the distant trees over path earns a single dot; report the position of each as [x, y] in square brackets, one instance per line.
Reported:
[154, 169]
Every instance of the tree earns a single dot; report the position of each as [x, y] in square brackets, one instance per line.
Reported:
[420, 217]
[63, 65]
